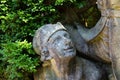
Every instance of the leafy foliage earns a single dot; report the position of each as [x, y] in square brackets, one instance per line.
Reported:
[18, 58]
[60, 2]
[18, 22]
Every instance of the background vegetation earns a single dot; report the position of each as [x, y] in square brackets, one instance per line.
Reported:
[19, 19]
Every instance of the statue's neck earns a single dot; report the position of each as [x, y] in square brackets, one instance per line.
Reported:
[61, 68]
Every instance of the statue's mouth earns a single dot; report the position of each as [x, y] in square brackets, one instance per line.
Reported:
[69, 49]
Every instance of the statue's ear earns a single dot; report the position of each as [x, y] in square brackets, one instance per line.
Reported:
[45, 54]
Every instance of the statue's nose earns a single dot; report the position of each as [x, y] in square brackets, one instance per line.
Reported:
[68, 41]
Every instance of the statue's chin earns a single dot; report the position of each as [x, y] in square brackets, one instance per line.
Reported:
[67, 58]
[68, 54]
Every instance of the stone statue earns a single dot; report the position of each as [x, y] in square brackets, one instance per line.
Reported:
[58, 54]
[102, 42]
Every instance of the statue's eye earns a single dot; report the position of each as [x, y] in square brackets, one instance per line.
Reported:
[66, 35]
[57, 39]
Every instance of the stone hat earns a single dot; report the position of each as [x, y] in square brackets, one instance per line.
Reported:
[41, 37]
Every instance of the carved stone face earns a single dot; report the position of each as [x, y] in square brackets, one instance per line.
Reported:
[60, 45]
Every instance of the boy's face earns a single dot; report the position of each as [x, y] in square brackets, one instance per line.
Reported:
[60, 45]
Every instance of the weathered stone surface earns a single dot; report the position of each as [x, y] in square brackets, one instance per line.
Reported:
[100, 43]
[103, 40]
[62, 64]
